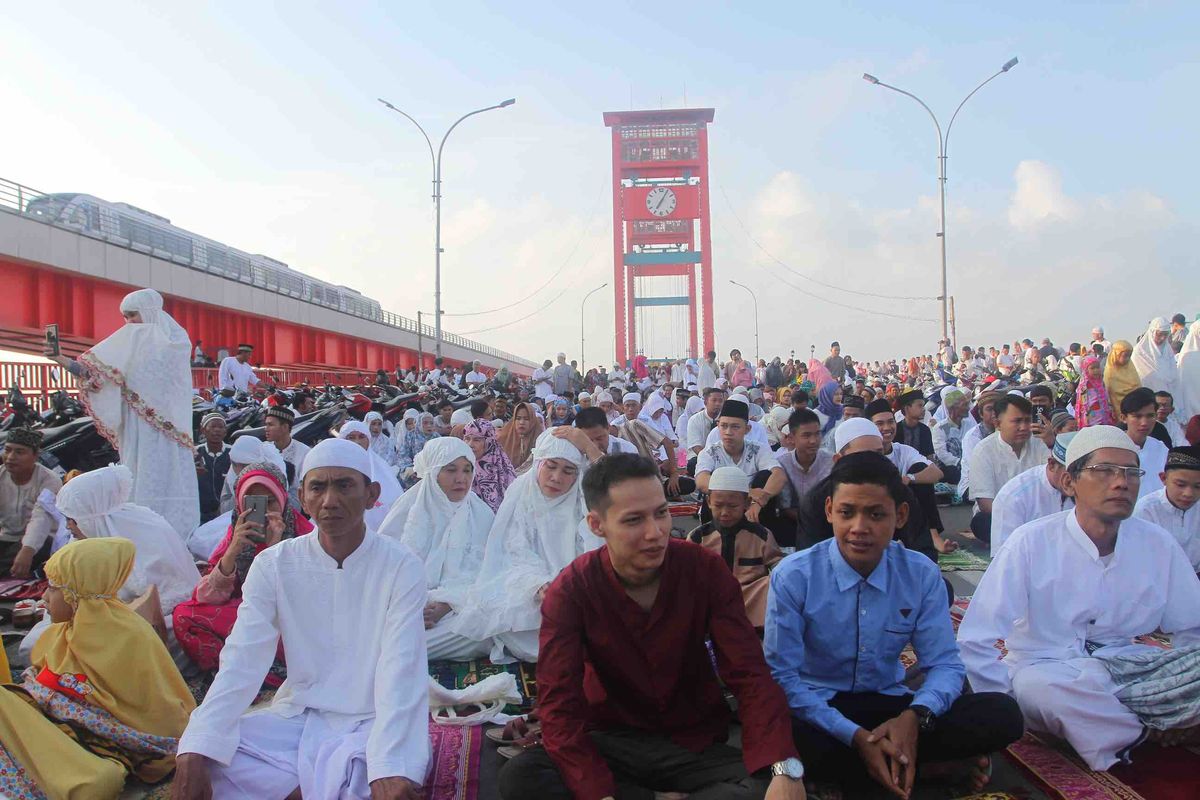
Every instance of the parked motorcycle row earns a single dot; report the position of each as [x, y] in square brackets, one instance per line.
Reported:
[70, 440]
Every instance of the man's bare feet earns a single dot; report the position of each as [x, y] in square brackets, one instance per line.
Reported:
[973, 772]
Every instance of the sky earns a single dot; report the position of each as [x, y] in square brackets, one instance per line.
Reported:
[1071, 194]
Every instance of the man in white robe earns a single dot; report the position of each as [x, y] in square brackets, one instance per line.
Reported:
[1074, 588]
[351, 720]
[446, 525]
[1139, 412]
[1033, 494]
[1173, 507]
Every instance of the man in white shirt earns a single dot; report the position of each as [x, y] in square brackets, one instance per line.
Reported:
[1098, 338]
[985, 405]
[235, 373]
[476, 377]
[699, 426]
[278, 431]
[1001, 457]
[1173, 507]
[1005, 362]
[757, 432]
[543, 376]
[948, 435]
[1139, 412]
[710, 371]
[351, 720]
[1033, 494]
[1069, 592]
[733, 450]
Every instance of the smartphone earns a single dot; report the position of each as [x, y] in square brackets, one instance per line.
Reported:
[1037, 415]
[52, 346]
[256, 511]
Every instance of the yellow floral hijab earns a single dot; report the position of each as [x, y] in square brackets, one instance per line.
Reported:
[1120, 380]
[106, 653]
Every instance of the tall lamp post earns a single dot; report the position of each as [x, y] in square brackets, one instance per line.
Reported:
[943, 144]
[437, 202]
[755, 298]
[582, 319]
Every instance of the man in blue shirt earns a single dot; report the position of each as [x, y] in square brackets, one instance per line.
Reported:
[838, 616]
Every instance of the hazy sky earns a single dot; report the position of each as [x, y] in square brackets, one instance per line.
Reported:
[1072, 197]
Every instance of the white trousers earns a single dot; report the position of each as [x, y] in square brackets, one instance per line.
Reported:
[1076, 700]
[515, 646]
[276, 754]
[445, 645]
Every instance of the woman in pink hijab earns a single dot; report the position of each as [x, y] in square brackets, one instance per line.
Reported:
[818, 374]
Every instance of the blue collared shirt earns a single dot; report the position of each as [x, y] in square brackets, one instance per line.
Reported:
[830, 630]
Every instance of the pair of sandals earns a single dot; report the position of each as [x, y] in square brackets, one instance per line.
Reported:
[517, 736]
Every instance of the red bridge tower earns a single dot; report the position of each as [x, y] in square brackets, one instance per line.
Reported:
[661, 218]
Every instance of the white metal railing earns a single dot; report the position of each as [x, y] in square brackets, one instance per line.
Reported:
[180, 247]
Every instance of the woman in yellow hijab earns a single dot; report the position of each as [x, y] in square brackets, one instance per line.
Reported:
[102, 697]
[1120, 376]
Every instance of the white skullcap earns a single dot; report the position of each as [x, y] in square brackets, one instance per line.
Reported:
[604, 397]
[462, 416]
[729, 479]
[550, 446]
[741, 390]
[851, 429]
[634, 396]
[1016, 392]
[562, 355]
[1160, 324]
[245, 450]
[353, 426]
[439, 452]
[583, 396]
[739, 398]
[1096, 437]
[338, 453]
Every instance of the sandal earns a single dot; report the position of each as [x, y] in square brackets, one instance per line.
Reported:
[519, 746]
[512, 731]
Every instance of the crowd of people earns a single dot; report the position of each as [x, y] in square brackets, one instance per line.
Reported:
[534, 524]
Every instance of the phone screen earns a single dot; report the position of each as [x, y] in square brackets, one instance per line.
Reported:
[52, 345]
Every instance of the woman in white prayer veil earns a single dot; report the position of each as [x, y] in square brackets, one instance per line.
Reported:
[1187, 401]
[1154, 359]
[137, 386]
[390, 489]
[538, 531]
[446, 525]
[96, 505]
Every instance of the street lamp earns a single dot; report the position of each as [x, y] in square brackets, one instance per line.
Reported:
[755, 298]
[581, 321]
[943, 144]
[437, 201]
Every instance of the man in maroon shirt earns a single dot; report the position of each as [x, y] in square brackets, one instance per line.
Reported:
[628, 699]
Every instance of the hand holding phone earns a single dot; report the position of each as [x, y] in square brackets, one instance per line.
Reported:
[256, 512]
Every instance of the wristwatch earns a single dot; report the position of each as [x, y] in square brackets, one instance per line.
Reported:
[925, 718]
[788, 768]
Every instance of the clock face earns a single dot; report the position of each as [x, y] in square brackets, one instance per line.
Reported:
[660, 201]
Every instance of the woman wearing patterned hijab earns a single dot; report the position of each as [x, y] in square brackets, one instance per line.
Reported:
[203, 623]
[494, 472]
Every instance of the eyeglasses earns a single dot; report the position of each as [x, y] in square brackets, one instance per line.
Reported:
[1110, 472]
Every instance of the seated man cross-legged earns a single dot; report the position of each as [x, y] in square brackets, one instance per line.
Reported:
[838, 616]
[629, 701]
[351, 720]
[1069, 592]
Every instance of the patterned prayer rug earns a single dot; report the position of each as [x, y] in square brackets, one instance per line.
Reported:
[961, 559]
[1157, 773]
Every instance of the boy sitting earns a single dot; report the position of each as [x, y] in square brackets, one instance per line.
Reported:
[747, 548]
[1174, 506]
[838, 616]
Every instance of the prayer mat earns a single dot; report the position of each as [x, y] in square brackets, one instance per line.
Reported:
[461, 674]
[454, 759]
[684, 509]
[961, 559]
[22, 588]
[1157, 773]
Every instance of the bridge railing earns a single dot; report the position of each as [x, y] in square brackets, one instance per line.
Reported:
[38, 382]
[175, 245]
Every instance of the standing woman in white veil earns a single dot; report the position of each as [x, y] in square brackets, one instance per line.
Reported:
[137, 387]
[1187, 400]
[1154, 359]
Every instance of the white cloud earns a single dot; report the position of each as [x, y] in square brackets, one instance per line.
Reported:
[1039, 197]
